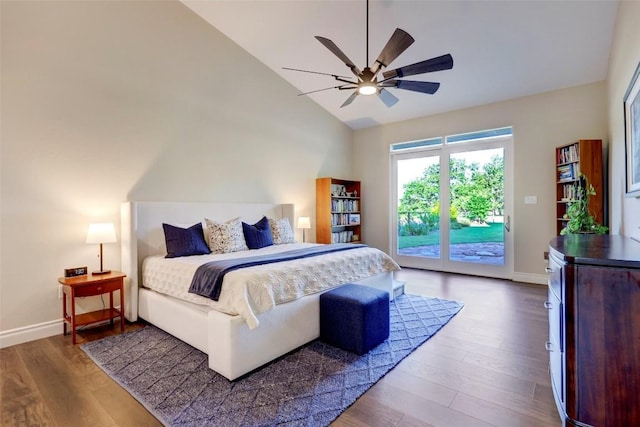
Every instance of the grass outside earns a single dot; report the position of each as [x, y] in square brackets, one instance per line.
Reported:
[492, 233]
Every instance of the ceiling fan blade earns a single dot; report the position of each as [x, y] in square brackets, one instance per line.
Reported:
[423, 87]
[399, 42]
[444, 62]
[337, 52]
[350, 99]
[341, 87]
[387, 97]
[314, 72]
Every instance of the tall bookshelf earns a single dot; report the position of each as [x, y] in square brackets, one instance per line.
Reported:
[338, 211]
[583, 156]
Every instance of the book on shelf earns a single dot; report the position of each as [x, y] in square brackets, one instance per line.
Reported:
[568, 172]
[342, 237]
[344, 205]
[568, 154]
[345, 219]
[568, 192]
[340, 219]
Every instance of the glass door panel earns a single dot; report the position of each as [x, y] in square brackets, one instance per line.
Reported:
[418, 202]
[476, 212]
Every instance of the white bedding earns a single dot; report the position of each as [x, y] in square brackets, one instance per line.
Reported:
[250, 291]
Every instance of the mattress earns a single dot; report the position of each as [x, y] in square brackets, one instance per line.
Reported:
[250, 291]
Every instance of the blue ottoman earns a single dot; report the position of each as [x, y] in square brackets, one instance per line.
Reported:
[354, 317]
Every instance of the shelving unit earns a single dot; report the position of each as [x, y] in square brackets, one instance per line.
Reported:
[338, 211]
[583, 156]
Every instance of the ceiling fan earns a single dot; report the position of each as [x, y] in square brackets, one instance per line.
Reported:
[367, 81]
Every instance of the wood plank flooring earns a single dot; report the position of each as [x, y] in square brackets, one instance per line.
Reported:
[487, 367]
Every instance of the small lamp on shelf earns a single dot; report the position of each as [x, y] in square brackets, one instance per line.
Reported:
[305, 223]
[101, 233]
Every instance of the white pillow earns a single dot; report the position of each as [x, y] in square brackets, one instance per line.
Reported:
[225, 237]
[281, 231]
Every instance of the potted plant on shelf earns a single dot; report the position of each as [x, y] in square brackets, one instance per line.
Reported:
[581, 221]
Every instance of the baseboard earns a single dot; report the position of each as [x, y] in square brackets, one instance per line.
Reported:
[30, 333]
[538, 279]
[40, 330]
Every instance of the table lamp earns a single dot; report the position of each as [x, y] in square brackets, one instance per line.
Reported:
[305, 223]
[101, 233]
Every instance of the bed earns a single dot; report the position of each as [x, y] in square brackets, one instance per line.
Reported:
[236, 340]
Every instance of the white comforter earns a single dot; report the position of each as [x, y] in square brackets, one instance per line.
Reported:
[250, 291]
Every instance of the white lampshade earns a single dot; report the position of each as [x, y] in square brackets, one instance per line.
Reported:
[304, 222]
[103, 232]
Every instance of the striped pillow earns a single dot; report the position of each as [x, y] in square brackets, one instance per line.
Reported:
[257, 235]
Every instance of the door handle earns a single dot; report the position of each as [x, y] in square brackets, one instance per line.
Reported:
[507, 223]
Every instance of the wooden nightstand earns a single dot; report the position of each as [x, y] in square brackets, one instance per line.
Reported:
[91, 285]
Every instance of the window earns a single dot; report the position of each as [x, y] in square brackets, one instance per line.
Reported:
[452, 139]
[401, 146]
[483, 134]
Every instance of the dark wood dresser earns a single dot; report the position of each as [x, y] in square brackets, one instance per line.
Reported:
[594, 329]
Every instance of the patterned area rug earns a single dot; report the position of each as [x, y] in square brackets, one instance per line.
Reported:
[308, 387]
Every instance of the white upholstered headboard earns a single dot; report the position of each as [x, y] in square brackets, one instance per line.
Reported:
[142, 234]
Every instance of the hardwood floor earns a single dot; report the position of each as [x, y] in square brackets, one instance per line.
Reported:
[486, 367]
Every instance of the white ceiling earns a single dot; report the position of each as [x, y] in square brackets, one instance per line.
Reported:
[501, 49]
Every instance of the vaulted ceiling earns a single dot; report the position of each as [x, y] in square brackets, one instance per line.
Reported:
[501, 49]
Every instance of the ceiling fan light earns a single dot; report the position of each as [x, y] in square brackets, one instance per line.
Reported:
[367, 89]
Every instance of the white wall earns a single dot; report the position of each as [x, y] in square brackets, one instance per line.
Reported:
[625, 56]
[104, 101]
[540, 123]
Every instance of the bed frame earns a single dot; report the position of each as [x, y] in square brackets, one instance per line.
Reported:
[234, 350]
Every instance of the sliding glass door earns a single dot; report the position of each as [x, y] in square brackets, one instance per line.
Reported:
[453, 205]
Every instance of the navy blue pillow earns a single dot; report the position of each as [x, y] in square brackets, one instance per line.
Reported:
[185, 241]
[258, 235]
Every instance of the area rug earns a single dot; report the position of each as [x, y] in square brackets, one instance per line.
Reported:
[308, 387]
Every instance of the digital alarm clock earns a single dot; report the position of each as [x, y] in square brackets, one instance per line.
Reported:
[77, 271]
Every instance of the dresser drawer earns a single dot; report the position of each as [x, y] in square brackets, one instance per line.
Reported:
[556, 370]
[556, 320]
[98, 288]
[555, 344]
[555, 280]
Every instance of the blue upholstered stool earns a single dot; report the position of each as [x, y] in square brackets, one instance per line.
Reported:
[354, 317]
